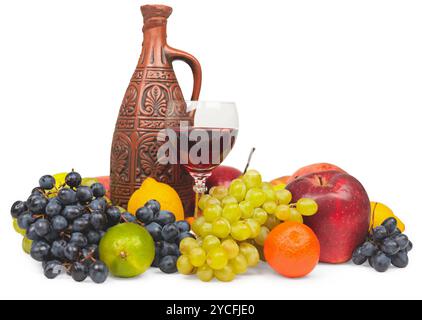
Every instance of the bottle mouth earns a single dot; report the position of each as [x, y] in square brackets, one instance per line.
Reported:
[156, 11]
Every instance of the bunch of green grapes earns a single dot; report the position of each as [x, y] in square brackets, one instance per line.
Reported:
[212, 257]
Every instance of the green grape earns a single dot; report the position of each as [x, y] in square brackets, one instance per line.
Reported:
[186, 245]
[221, 228]
[210, 242]
[17, 229]
[230, 247]
[272, 222]
[266, 186]
[295, 216]
[240, 231]
[251, 253]
[213, 201]
[205, 229]
[254, 226]
[270, 207]
[252, 179]
[217, 258]
[260, 216]
[270, 194]
[199, 242]
[197, 257]
[225, 274]
[307, 207]
[219, 192]
[256, 197]
[232, 213]
[212, 213]
[283, 212]
[284, 196]
[247, 209]
[26, 245]
[228, 200]
[239, 264]
[184, 266]
[203, 202]
[205, 273]
[197, 223]
[238, 189]
[263, 234]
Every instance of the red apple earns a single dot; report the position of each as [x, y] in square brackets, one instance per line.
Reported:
[223, 176]
[344, 214]
[105, 181]
[314, 168]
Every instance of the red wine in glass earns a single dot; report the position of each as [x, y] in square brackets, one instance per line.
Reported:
[201, 150]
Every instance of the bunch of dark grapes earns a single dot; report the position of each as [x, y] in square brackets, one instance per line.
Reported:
[385, 245]
[66, 224]
[166, 232]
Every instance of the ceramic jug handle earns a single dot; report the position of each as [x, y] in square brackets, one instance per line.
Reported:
[175, 54]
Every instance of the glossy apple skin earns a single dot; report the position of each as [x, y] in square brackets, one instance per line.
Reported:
[223, 176]
[314, 168]
[344, 213]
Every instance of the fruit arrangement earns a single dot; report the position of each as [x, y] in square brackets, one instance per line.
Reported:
[386, 245]
[235, 220]
[318, 214]
[63, 223]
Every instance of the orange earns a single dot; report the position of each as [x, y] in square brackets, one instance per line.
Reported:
[292, 249]
[163, 193]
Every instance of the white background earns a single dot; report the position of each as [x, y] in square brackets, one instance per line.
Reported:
[335, 81]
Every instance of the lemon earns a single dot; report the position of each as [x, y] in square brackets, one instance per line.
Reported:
[380, 212]
[163, 193]
[127, 249]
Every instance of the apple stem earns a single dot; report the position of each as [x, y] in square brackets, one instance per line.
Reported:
[249, 160]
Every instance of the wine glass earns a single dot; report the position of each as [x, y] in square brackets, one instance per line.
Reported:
[199, 136]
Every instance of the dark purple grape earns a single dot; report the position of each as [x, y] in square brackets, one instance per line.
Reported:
[98, 190]
[98, 272]
[18, 208]
[37, 204]
[73, 179]
[84, 194]
[53, 208]
[183, 226]
[380, 233]
[381, 262]
[359, 258]
[47, 182]
[154, 230]
[164, 217]
[168, 264]
[400, 260]
[154, 205]
[145, 215]
[79, 272]
[402, 241]
[67, 196]
[52, 269]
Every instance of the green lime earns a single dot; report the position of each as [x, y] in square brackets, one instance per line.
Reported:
[127, 249]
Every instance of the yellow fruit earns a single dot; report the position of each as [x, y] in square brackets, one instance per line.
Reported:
[163, 193]
[380, 212]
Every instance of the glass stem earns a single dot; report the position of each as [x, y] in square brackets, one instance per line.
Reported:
[199, 188]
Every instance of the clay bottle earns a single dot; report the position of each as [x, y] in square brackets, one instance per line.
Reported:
[143, 113]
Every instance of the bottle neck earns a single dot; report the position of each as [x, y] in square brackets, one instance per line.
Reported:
[155, 41]
[155, 30]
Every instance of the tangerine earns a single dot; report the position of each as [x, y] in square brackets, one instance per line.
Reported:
[292, 249]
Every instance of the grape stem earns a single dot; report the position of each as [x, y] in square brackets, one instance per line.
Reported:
[249, 160]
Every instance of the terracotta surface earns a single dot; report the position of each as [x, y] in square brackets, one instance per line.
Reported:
[144, 111]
